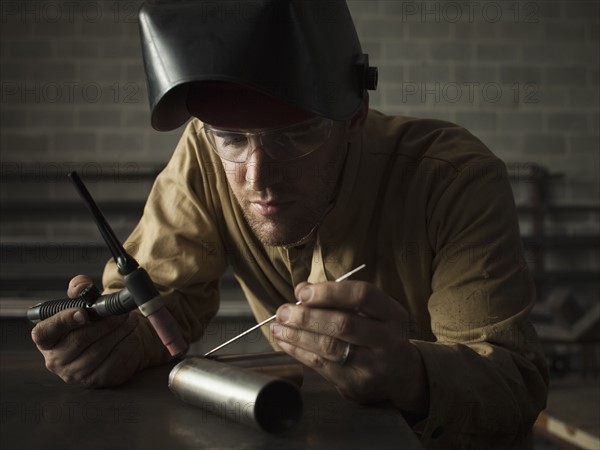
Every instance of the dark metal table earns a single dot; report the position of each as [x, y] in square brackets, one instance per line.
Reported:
[39, 411]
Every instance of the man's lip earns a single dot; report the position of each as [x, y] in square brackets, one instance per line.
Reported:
[270, 207]
[271, 202]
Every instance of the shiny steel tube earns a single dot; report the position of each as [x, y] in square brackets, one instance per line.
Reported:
[276, 364]
[268, 403]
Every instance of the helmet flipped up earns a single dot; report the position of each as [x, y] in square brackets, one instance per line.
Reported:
[301, 52]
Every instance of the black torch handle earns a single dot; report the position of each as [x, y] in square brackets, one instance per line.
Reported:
[96, 305]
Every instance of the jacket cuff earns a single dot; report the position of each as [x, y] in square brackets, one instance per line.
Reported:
[445, 410]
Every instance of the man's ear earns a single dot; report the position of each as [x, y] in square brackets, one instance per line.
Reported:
[357, 122]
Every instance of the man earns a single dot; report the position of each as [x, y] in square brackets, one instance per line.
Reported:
[294, 184]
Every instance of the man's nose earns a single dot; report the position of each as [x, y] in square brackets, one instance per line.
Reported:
[261, 170]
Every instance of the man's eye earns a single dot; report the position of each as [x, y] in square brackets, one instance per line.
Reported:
[233, 140]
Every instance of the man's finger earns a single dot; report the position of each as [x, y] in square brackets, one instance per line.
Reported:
[357, 296]
[327, 347]
[340, 324]
[94, 356]
[78, 341]
[310, 359]
[77, 284]
[47, 333]
[123, 355]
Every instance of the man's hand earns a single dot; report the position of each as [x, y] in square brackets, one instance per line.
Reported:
[106, 352]
[382, 365]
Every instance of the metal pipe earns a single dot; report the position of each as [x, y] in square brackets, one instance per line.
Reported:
[276, 364]
[268, 403]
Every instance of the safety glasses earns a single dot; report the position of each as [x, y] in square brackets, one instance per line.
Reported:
[283, 144]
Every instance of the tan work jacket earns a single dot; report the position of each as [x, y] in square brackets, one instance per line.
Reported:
[429, 209]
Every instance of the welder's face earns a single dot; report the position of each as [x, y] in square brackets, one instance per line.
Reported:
[282, 200]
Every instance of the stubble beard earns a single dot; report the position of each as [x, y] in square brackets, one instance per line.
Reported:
[284, 232]
[290, 231]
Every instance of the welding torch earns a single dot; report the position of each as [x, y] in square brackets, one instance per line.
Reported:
[139, 291]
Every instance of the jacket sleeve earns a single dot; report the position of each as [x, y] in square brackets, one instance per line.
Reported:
[486, 372]
[177, 242]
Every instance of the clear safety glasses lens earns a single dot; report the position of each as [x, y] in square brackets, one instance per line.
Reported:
[283, 144]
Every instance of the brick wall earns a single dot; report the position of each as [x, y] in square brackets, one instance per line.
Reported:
[522, 75]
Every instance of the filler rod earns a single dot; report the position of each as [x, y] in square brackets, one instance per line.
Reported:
[270, 319]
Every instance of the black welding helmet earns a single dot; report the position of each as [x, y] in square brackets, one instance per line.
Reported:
[302, 53]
